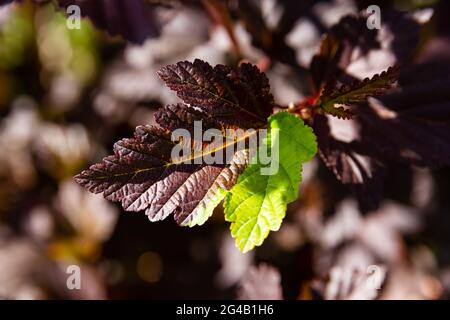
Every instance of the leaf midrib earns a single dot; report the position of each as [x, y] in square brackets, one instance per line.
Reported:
[193, 158]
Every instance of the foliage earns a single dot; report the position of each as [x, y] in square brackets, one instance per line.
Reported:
[372, 104]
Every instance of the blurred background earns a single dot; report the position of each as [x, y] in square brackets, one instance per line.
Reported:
[67, 95]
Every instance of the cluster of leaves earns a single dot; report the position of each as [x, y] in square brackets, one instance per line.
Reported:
[397, 127]
[142, 176]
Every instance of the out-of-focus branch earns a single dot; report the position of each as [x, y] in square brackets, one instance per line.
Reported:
[220, 14]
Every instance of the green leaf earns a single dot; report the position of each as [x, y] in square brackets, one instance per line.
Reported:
[257, 203]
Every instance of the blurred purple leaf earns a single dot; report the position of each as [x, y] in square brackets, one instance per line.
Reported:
[135, 20]
[261, 283]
